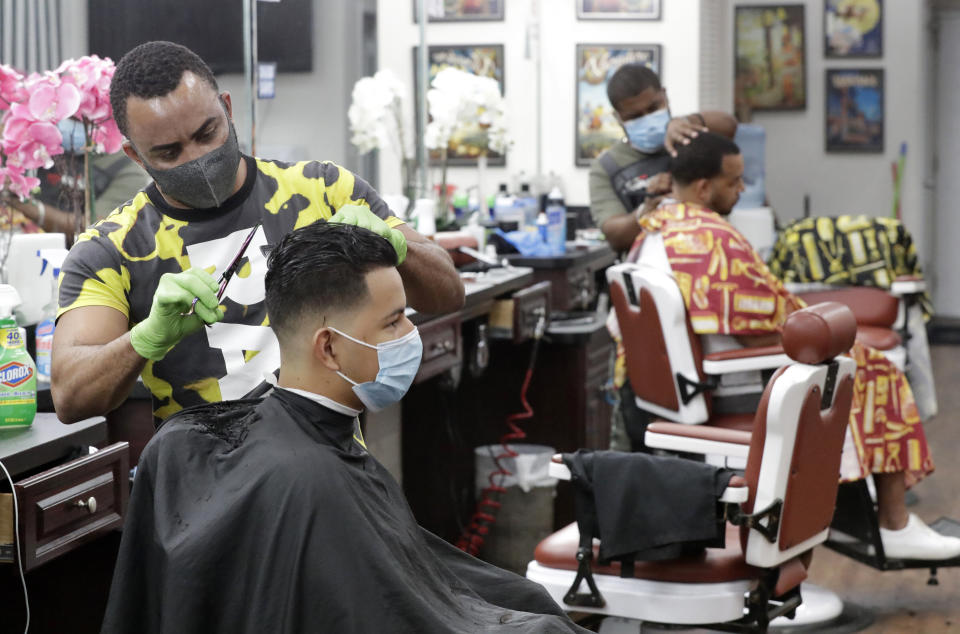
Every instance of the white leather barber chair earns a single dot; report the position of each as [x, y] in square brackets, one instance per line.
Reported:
[668, 371]
[783, 510]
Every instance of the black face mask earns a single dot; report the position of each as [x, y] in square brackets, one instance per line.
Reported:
[206, 181]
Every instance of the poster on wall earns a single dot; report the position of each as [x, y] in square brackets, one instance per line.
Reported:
[770, 57]
[485, 60]
[854, 117]
[853, 28]
[597, 125]
[618, 9]
[461, 10]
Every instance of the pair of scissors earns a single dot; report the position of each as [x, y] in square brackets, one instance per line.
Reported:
[228, 272]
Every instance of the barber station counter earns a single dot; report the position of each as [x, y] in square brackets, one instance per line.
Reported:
[572, 275]
[71, 503]
[467, 402]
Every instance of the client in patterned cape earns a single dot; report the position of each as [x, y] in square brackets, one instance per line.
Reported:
[731, 295]
[272, 516]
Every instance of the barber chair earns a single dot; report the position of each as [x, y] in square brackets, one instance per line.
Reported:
[670, 375]
[782, 510]
[881, 314]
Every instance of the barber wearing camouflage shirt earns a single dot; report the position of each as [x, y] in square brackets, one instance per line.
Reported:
[129, 279]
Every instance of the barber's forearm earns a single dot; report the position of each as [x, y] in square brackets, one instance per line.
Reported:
[54, 219]
[431, 281]
[91, 380]
[620, 231]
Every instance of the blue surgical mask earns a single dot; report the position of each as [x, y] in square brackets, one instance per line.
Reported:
[647, 133]
[399, 362]
[74, 137]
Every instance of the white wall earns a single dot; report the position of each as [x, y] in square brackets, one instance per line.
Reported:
[677, 33]
[797, 163]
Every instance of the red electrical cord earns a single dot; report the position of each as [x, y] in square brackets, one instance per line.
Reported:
[484, 516]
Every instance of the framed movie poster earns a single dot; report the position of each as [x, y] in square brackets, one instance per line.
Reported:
[485, 60]
[853, 28]
[855, 111]
[597, 127]
[770, 58]
[461, 10]
[618, 9]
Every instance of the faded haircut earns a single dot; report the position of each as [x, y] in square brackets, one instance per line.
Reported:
[321, 269]
[701, 158]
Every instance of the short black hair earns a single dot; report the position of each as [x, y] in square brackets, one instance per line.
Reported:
[153, 69]
[629, 81]
[701, 158]
[321, 268]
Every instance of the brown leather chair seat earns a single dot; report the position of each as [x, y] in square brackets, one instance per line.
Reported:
[870, 306]
[714, 565]
[878, 338]
[731, 428]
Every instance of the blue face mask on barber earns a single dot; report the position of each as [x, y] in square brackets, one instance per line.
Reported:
[648, 133]
[74, 137]
[399, 362]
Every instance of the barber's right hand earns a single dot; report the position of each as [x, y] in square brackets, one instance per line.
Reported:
[166, 324]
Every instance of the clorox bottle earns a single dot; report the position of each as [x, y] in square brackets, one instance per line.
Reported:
[18, 374]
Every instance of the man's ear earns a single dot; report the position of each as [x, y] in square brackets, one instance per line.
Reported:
[132, 153]
[703, 188]
[225, 95]
[323, 349]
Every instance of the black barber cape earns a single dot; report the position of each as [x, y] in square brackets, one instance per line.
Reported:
[269, 516]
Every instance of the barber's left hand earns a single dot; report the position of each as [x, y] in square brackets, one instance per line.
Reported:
[680, 132]
[361, 216]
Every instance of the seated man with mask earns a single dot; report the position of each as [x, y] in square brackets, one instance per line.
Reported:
[271, 516]
[733, 299]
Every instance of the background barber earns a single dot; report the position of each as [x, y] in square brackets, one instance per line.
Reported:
[625, 175]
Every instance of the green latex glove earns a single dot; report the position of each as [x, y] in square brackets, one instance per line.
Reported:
[165, 326]
[361, 216]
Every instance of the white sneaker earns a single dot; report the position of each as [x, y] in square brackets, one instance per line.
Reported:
[916, 540]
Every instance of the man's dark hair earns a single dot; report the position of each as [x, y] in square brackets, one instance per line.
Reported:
[701, 158]
[629, 81]
[153, 69]
[321, 268]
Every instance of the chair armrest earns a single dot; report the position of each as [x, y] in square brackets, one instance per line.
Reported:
[556, 468]
[736, 492]
[698, 439]
[908, 285]
[745, 360]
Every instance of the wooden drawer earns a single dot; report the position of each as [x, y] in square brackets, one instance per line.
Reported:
[442, 346]
[72, 503]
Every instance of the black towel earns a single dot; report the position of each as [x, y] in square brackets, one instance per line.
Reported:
[648, 507]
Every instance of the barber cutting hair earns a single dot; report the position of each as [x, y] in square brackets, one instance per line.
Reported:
[139, 286]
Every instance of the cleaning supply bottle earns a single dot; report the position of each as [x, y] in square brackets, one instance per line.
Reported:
[528, 204]
[18, 374]
[556, 222]
[52, 259]
[504, 210]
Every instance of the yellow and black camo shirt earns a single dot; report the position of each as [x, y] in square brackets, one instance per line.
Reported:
[118, 263]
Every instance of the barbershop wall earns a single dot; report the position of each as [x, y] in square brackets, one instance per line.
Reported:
[797, 163]
[677, 32]
[307, 119]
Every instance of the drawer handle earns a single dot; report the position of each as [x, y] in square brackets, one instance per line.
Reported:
[442, 346]
[90, 504]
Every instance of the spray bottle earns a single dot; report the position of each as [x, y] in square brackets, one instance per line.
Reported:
[52, 258]
[18, 374]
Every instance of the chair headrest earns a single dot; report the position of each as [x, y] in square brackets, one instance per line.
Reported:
[819, 333]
